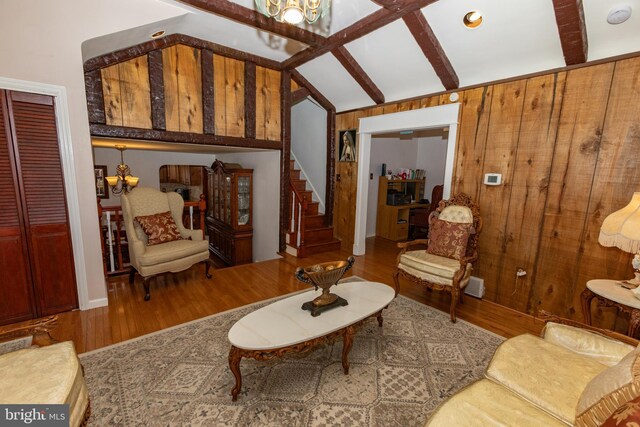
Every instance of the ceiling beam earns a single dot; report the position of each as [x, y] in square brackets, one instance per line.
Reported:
[572, 29]
[299, 94]
[315, 93]
[428, 42]
[366, 25]
[351, 65]
[255, 19]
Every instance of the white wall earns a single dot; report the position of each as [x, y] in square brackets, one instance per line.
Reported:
[309, 143]
[40, 42]
[266, 199]
[396, 153]
[432, 154]
[145, 165]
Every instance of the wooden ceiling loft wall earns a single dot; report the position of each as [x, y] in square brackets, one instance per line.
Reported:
[184, 90]
[567, 144]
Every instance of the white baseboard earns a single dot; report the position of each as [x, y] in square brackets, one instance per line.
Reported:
[96, 303]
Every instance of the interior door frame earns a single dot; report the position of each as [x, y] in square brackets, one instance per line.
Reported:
[63, 126]
[424, 118]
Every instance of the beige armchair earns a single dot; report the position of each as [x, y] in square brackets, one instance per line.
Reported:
[174, 256]
[441, 273]
[39, 371]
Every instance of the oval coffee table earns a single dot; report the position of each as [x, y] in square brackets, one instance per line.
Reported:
[283, 327]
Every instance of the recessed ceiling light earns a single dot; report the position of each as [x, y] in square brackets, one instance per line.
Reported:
[157, 34]
[619, 14]
[472, 19]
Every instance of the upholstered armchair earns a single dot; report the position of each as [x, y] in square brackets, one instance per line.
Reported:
[35, 370]
[447, 263]
[151, 258]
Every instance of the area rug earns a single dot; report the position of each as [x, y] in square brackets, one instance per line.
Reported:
[180, 377]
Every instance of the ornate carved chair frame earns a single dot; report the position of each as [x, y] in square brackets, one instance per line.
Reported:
[470, 257]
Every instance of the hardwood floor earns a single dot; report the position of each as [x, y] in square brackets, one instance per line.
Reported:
[188, 295]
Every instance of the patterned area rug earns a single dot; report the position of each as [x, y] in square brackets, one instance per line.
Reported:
[399, 374]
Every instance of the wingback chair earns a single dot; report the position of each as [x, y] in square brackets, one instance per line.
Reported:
[174, 256]
[448, 272]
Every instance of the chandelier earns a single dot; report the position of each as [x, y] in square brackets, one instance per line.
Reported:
[123, 181]
[294, 11]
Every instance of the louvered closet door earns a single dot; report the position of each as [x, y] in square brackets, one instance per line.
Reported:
[16, 291]
[35, 140]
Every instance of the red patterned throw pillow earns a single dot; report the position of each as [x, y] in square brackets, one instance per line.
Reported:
[448, 239]
[627, 415]
[159, 228]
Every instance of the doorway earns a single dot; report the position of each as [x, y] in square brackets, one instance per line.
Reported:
[422, 153]
[440, 117]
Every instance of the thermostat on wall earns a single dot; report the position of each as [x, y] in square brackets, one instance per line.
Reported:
[493, 178]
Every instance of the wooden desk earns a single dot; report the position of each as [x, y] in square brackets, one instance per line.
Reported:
[392, 222]
[387, 224]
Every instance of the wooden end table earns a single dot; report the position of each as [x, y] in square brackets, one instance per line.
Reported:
[609, 293]
[283, 327]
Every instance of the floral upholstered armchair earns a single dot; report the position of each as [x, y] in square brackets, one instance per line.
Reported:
[447, 263]
[158, 242]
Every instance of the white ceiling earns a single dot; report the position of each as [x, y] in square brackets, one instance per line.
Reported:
[516, 38]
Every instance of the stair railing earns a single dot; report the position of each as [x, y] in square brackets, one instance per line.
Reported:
[299, 205]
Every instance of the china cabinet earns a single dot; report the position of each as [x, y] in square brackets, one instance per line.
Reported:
[230, 212]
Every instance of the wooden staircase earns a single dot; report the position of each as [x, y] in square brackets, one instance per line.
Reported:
[309, 232]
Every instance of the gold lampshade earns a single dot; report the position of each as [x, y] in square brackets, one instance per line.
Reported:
[112, 181]
[132, 181]
[621, 229]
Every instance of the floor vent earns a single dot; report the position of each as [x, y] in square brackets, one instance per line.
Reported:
[475, 287]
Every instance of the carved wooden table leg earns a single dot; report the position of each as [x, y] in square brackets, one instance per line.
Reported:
[235, 356]
[347, 343]
[586, 296]
[634, 323]
[380, 319]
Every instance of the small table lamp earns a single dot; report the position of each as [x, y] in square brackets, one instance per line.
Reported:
[622, 230]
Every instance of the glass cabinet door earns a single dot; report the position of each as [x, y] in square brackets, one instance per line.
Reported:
[227, 199]
[216, 195]
[244, 200]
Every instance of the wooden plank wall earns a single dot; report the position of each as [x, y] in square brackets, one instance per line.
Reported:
[567, 145]
[127, 94]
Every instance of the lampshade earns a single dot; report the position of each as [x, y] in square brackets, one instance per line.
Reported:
[622, 228]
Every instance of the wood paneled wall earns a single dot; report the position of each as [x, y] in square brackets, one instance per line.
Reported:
[190, 75]
[567, 145]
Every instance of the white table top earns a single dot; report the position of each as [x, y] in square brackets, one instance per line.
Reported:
[614, 292]
[284, 323]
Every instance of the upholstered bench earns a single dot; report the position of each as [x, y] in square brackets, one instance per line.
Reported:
[51, 374]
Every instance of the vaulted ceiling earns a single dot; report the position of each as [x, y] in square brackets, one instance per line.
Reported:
[373, 51]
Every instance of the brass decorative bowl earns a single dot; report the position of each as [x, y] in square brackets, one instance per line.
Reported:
[324, 276]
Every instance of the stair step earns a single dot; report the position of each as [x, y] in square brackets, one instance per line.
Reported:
[312, 209]
[299, 184]
[316, 248]
[314, 221]
[294, 174]
[292, 163]
[318, 235]
[308, 194]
